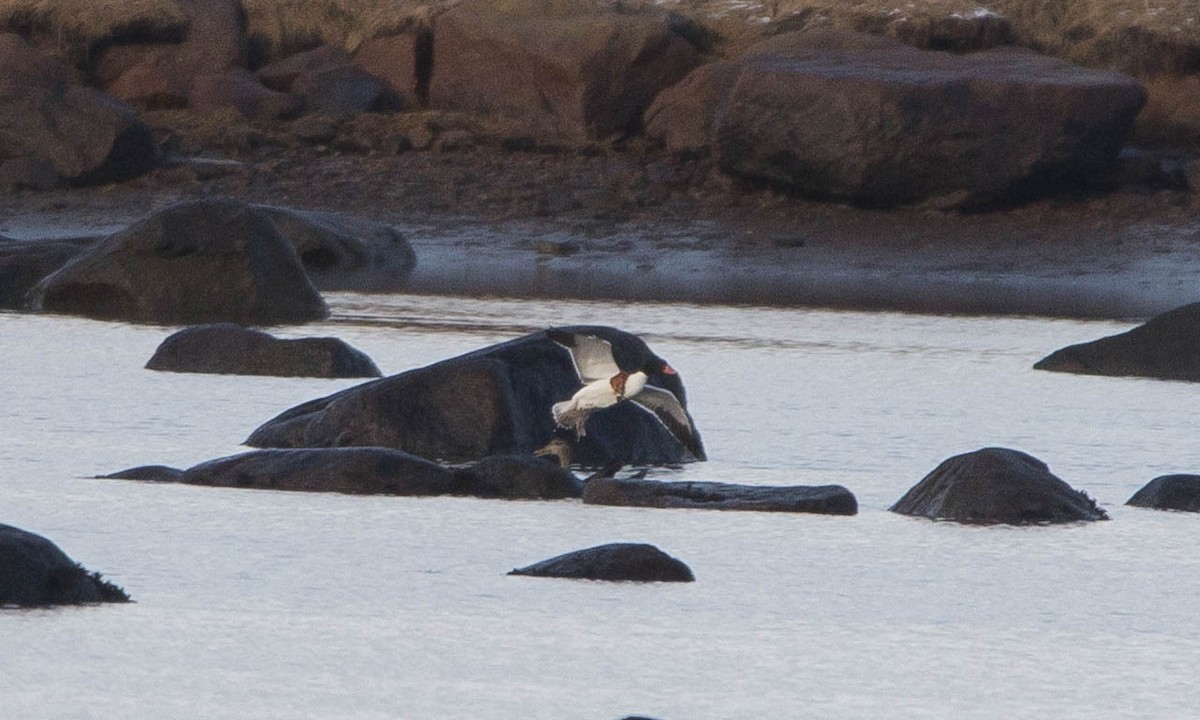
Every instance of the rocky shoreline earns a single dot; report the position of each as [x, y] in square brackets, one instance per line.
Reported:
[496, 204]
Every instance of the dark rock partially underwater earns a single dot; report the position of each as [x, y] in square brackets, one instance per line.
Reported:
[25, 262]
[35, 572]
[823, 499]
[1169, 492]
[369, 471]
[1166, 347]
[201, 261]
[232, 349]
[341, 252]
[637, 562]
[997, 485]
[492, 401]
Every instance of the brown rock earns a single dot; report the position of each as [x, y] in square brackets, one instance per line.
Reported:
[567, 69]
[867, 120]
[283, 74]
[240, 90]
[160, 74]
[397, 60]
[54, 131]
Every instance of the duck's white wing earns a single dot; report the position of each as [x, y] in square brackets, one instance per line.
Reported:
[593, 356]
[666, 407]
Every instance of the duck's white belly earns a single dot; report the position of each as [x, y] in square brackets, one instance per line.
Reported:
[594, 395]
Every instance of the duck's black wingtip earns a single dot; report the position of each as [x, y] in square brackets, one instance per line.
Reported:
[561, 337]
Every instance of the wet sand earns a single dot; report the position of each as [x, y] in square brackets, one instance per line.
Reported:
[622, 225]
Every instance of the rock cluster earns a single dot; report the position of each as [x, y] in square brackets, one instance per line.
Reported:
[827, 113]
[492, 401]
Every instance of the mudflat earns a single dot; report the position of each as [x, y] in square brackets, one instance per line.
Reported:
[629, 223]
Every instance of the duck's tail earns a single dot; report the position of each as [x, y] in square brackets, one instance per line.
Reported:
[568, 415]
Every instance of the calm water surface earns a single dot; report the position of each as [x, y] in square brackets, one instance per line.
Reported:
[255, 604]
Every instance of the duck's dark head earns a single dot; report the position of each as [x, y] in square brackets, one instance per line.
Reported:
[657, 366]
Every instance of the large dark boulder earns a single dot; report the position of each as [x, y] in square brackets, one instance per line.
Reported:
[232, 349]
[342, 252]
[868, 120]
[24, 262]
[35, 572]
[368, 471]
[997, 485]
[1169, 492]
[195, 262]
[636, 562]
[1167, 347]
[822, 499]
[492, 401]
[557, 69]
[55, 131]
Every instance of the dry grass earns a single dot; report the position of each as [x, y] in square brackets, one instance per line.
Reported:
[77, 26]
[282, 27]
[1145, 37]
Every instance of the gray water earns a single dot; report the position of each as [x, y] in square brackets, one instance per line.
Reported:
[256, 604]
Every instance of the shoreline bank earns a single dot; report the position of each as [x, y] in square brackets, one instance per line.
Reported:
[624, 227]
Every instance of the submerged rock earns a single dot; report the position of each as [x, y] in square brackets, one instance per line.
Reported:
[489, 402]
[823, 499]
[997, 485]
[521, 477]
[35, 572]
[369, 471]
[232, 349]
[1169, 492]
[637, 562]
[868, 120]
[1166, 347]
[201, 261]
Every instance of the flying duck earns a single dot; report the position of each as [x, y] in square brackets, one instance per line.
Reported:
[606, 383]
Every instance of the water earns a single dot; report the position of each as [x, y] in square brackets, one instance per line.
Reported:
[255, 604]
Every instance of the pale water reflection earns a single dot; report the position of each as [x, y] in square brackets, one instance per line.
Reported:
[257, 604]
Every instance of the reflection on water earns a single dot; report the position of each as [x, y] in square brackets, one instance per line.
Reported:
[261, 604]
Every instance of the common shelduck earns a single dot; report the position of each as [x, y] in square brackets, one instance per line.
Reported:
[605, 384]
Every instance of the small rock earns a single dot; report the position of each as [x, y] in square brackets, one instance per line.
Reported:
[1169, 492]
[226, 348]
[634, 562]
